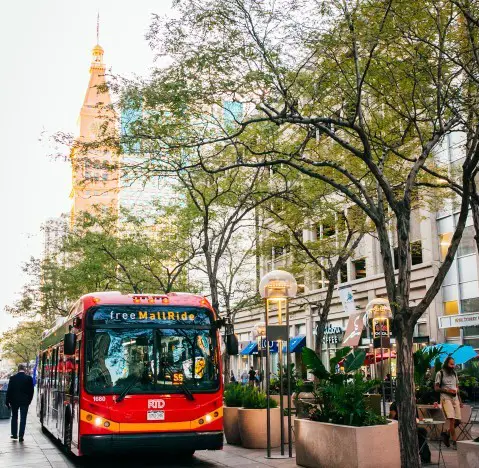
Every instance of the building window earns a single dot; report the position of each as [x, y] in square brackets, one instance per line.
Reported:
[470, 305]
[416, 252]
[422, 329]
[471, 331]
[444, 243]
[467, 246]
[343, 274]
[359, 268]
[451, 308]
[474, 343]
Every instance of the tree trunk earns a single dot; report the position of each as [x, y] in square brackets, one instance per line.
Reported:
[475, 211]
[405, 397]
[226, 367]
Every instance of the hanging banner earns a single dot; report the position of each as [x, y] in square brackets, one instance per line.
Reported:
[354, 330]
[347, 299]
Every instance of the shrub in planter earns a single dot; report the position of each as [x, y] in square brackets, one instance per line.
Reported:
[233, 400]
[252, 420]
[341, 413]
[254, 399]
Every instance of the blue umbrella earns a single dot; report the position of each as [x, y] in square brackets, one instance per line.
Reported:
[460, 353]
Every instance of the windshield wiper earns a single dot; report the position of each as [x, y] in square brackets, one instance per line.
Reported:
[183, 386]
[126, 390]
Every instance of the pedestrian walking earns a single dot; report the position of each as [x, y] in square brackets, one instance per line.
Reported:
[19, 397]
[244, 377]
[252, 377]
[232, 377]
[447, 384]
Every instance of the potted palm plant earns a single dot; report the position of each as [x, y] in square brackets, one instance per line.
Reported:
[341, 414]
[233, 400]
[252, 420]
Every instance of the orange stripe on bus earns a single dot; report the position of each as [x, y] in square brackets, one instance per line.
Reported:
[151, 426]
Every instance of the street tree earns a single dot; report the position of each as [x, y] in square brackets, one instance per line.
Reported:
[20, 343]
[344, 92]
[222, 208]
[335, 232]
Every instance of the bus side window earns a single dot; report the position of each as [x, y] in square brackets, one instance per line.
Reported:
[77, 368]
[55, 367]
[42, 371]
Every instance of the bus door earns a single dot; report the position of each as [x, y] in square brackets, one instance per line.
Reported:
[76, 395]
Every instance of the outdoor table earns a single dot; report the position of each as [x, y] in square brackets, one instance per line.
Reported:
[433, 425]
[432, 412]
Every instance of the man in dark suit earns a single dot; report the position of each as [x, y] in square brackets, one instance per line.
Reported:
[19, 397]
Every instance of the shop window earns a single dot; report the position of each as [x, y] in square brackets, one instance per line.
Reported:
[451, 308]
[471, 331]
[359, 268]
[472, 342]
[416, 252]
[343, 273]
[467, 246]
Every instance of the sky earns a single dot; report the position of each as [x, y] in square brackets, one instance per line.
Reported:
[45, 48]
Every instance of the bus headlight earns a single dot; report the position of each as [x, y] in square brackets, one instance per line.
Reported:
[208, 418]
[98, 421]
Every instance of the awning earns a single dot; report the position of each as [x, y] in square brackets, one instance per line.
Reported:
[250, 348]
[296, 344]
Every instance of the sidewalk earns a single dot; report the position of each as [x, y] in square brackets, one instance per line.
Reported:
[40, 451]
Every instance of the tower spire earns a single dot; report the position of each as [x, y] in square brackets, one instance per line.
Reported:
[97, 59]
[98, 27]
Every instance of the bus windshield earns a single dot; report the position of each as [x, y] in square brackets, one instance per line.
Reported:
[152, 353]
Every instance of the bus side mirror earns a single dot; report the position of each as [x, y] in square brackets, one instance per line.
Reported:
[232, 344]
[69, 344]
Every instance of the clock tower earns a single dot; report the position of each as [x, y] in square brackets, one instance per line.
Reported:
[95, 181]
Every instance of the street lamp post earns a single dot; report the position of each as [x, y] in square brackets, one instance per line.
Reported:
[277, 287]
[379, 313]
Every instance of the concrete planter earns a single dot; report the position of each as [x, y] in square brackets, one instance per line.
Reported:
[230, 425]
[468, 454]
[323, 445]
[252, 427]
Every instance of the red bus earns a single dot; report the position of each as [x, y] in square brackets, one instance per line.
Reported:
[133, 372]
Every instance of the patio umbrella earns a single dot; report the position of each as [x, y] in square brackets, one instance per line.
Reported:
[460, 353]
[370, 357]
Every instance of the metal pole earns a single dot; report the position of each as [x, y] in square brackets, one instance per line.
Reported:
[288, 365]
[281, 392]
[266, 376]
[382, 372]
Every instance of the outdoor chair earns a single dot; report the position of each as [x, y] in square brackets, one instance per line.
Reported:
[464, 428]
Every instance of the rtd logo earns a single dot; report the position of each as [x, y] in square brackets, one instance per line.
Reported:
[156, 404]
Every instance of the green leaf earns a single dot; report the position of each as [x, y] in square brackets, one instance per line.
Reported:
[313, 363]
[354, 361]
[341, 353]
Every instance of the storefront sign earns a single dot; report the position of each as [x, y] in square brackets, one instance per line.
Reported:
[381, 333]
[332, 334]
[459, 320]
[354, 330]
[273, 346]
